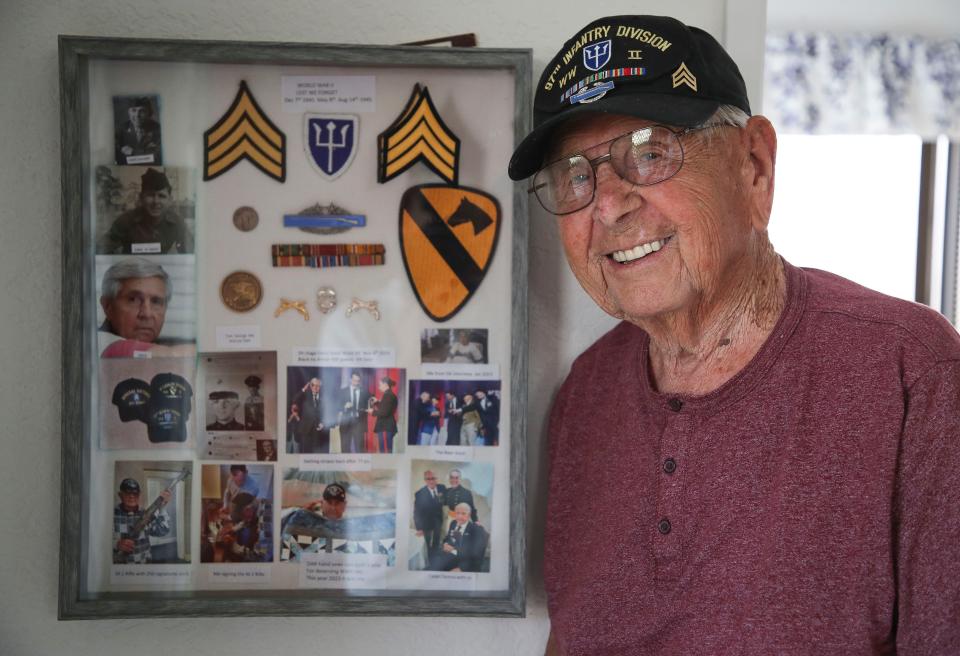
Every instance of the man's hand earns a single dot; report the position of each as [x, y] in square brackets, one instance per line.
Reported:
[448, 547]
[165, 495]
[126, 545]
[419, 534]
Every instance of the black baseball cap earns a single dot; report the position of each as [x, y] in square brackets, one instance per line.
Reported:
[130, 486]
[335, 492]
[651, 67]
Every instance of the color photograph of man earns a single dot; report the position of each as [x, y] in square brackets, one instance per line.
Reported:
[222, 409]
[336, 512]
[154, 498]
[454, 345]
[138, 131]
[454, 412]
[307, 424]
[237, 522]
[352, 415]
[154, 224]
[760, 458]
[134, 296]
[435, 515]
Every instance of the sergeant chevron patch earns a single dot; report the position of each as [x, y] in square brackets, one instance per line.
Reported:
[448, 236]
[418, 135]
[244, 132]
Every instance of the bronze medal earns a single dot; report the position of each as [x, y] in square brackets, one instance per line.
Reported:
[241, 291]
[245, 218]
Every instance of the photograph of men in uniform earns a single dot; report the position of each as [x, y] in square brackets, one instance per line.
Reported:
[153, 226]
[222, 407]
[253, 404]
[138, 131]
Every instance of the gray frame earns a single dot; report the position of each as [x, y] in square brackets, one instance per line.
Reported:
[79, 356]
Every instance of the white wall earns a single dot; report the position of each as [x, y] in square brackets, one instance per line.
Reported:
[934, 18]
[563, 320]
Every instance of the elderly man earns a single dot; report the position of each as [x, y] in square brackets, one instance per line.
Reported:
[785, 441]
[134, 295]
[153, 226]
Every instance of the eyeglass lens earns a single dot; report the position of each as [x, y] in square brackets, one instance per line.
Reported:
[643, 157]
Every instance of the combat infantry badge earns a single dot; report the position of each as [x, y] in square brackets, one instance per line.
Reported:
[447, 236]
[330, 142]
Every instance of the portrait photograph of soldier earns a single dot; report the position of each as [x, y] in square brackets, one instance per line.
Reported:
[137, 136]
[454, 413]
[236, 525]
[151, 512]
[454, 345]
[450, 518]
[239, 403]
[145, 210]
[338, 512]
[147, 403]
[344, 409]
[146, 306]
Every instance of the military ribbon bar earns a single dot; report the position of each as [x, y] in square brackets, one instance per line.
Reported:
[322, 256]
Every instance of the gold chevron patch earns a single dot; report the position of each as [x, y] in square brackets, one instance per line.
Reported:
[418, 135]
[683, 76]
[244, 132]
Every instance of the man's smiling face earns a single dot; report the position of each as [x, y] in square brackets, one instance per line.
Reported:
[646, 252]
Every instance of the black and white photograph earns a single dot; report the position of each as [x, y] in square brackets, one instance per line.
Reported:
[454, 345]
[454, 413]
[145, 210]
[137, 122]
[451, 516]
[151, 512]
[239, 394]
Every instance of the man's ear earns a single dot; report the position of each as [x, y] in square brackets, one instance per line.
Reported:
[761, 142]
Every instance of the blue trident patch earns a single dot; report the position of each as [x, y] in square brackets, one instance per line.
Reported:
[597, 56]
[331, 142]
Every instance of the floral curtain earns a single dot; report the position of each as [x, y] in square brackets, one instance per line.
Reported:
[817, 83]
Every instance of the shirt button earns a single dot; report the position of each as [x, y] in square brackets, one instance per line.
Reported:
[664, 526]
[669, 465]
[675, 404]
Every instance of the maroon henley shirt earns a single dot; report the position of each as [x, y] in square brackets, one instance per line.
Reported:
[810, 505]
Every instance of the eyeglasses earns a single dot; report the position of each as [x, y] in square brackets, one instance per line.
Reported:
[643, 157]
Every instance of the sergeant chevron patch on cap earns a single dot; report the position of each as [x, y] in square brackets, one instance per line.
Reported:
[683, 76]
[418, 135]
[244, 132]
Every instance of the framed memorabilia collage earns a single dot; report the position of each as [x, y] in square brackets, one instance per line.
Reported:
[294, 295]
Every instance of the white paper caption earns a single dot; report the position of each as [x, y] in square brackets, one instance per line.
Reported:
[369, 357]
[343, 571]
[151, 247]
[238, 337]
[140, 159]
[341, 462]
[459, 371]
[451, 452]
[142, 355]
[353, 93]
[244, 574]
[450, 581]
[150, 574]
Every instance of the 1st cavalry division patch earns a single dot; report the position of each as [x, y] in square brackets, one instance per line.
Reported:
[448, 236]
[418, 135]
[244, 132]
